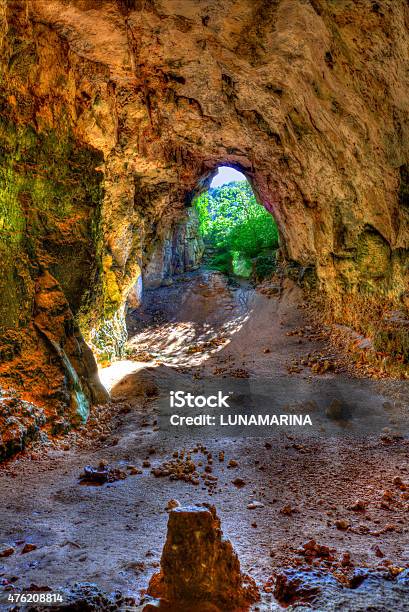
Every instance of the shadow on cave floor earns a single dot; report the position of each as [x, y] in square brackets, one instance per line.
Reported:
[183, 324]
[348, 496]
[203, 323]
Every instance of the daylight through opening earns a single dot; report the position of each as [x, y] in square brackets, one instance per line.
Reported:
[240, 235]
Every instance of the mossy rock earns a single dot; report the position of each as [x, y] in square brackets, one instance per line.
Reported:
[50, 199]
[373, 256]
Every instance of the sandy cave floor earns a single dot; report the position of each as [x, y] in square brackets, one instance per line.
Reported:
[113, 534]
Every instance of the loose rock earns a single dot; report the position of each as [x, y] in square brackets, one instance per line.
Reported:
[6, 550]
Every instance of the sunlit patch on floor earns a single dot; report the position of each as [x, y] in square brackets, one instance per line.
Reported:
[113, 374]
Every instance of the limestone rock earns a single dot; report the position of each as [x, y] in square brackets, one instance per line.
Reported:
[199, 565]
[20, 422]
[179, 251]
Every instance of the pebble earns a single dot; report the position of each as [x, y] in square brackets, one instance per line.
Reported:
[287, 510]
[172, 503]
[387, 495]
[358, 506]
[239, 482]
[378, 552]
[346, 559]
[6, 550]
[255, 504]
[133, 470]
[28, 548]
[342, 524]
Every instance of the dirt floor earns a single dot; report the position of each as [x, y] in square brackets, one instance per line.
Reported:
[331, 512]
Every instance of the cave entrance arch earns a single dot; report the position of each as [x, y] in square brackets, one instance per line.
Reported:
[240, 236]
[180, 319]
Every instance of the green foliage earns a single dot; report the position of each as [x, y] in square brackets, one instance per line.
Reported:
[236, 226]
[265, 265]
[242, 265]
[222, 261]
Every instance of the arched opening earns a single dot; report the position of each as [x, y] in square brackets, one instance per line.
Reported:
[200, 279]
[240, 236]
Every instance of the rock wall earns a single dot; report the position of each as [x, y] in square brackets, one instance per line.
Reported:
[50, 202]
[114, 113]
[180, 250]
[309, 98]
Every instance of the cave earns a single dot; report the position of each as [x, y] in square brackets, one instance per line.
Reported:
[240, 237]
[130, 289]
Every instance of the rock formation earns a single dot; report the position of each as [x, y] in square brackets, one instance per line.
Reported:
[20, 422]
[179, 251]
[114, 113]
[199, 566]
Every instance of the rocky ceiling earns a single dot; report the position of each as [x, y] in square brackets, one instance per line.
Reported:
[114, 112]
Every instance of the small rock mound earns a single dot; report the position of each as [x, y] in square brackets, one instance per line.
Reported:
[101, 474]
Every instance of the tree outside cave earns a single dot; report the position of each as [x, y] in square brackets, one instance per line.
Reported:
[241, 236]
